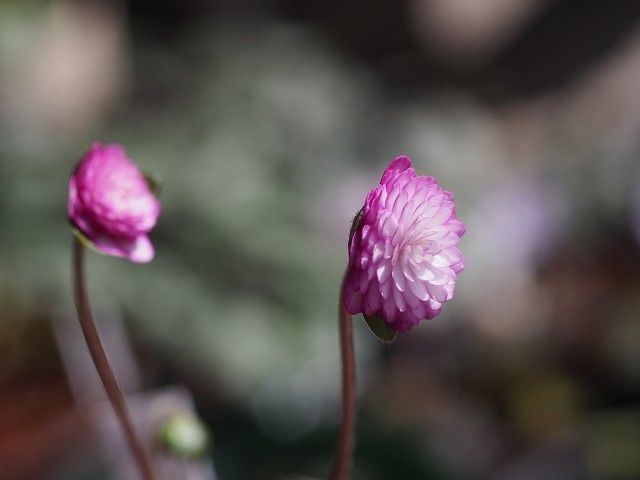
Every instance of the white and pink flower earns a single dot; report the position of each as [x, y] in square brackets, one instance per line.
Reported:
[404, 258]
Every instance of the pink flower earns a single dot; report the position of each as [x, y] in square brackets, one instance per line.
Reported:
[111, 204]
[403, 254]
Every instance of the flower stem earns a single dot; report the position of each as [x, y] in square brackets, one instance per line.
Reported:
[102, 364]
[346, 441]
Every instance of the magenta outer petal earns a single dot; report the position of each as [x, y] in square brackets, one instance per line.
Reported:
[395, 168]
[112, 246]
[403, 255]
[138, 250]
[142, 251]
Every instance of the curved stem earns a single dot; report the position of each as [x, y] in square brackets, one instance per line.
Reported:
[346, 441]
[102, 364]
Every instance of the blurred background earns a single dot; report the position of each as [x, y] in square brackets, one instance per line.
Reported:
[269, 120]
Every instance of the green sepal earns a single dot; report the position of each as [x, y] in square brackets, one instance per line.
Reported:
[154, 182]
[85, 240]
[380, 328]
[184, 435]
[355, 223]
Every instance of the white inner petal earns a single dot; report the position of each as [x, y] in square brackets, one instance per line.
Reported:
[413, 254]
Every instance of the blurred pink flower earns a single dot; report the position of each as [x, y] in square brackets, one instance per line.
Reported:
[403, 254]
[111, 204]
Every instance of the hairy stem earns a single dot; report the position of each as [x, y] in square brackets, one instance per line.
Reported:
[102, 364]
[346, 442]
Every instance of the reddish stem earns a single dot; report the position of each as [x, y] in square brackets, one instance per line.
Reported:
[346, 442]
[102, 364]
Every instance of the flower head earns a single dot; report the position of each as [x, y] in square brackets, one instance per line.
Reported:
[403, 254]
[111, 204]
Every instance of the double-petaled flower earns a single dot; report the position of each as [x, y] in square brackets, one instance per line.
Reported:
[112, 205]
[403, 252]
